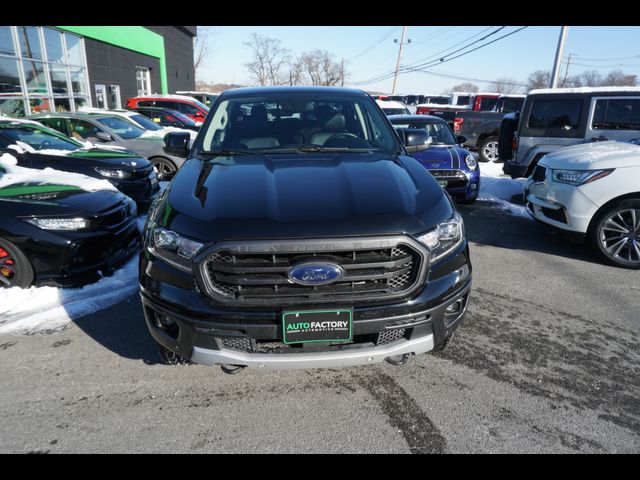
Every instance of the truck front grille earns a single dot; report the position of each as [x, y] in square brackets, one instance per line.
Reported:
[254, 276]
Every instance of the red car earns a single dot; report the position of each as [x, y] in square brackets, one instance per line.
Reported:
[189, 106]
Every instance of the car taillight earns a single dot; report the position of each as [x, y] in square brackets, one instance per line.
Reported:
[422, 111]
[514, 143]
[457, 124]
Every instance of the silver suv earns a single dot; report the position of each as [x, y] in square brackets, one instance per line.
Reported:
[559, 117]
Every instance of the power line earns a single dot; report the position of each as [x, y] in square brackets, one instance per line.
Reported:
[432, 35]
[605, 59]
[444, 59]
[367, 50]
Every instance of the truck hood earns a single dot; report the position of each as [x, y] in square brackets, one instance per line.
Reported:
[442, 156]
[594, 156]
[307, 195]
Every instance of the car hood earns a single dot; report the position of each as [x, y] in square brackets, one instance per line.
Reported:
[594, 156]
[310, 195]
[98, 157]
[442, 156]
[30, 199]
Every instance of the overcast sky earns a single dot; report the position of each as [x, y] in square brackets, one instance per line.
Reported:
[370, 53]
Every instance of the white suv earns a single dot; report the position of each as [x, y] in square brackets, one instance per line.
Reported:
[591, 191]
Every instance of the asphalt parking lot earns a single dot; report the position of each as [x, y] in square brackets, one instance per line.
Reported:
[548, 360]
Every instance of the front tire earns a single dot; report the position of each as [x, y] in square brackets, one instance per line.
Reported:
[488, 149]
[165, 167]
[615, 234]
[169, 357]
[15, 268]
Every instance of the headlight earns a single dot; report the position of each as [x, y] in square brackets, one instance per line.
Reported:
[471, 161]
[444, 238]
[59, 223]
[110, 173]
[172, 248]
[579, 177]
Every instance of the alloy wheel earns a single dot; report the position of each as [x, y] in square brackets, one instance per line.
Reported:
[490, 151]
[620, 236]
[8, 268]
[165, 170]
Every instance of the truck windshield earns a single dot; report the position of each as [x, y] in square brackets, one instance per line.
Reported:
[288, 122]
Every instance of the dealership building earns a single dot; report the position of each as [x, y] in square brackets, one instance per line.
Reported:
[46, 68]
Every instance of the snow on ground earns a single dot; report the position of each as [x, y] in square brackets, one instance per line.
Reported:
[498, 188]
[37, 309]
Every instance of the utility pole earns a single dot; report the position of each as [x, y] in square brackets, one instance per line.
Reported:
[395, 77]
[566, 72]
[559, 51]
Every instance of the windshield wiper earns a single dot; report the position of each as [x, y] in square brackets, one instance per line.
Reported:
[228, 152]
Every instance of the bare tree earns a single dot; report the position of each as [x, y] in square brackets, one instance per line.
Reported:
[617, 78]
[318, 68]
[538, 79]
[270, 60]
[202, 49]
[464, 87]
[573, 81]
[591, 78]
[504, 85]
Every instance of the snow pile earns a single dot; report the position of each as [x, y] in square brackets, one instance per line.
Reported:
[498, 188]
[18, 175]
[30, 310]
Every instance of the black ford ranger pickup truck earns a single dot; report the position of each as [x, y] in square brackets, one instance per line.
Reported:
[300, 234]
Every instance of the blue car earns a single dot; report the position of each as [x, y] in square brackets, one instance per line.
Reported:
[455, 168]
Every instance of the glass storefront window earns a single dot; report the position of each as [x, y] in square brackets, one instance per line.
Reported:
[81, 102]
[74, 50]
[58, 75]
[78, 81]
[39, 105]
[12, 107]
[34, 76]
[53, 45]
[30, 42]
[6, 42]
[9, 77]
[63, 104]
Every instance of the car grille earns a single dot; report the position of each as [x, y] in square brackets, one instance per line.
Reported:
[454, 178]
[142, 172]
[372, 271]
[539, 174]
[116, 218]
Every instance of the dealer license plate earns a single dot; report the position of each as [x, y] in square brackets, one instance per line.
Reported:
[317, 326]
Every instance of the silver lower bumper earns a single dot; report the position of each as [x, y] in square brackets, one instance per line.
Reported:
[344, 358]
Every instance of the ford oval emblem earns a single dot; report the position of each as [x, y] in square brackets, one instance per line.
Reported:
[315, 273]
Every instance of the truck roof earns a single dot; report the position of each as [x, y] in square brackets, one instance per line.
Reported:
[585, 90]
[248, 91]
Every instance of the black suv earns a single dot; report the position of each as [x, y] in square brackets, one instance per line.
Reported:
[299, 234]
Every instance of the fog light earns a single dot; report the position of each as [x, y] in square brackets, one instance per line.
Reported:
[169, 326]
[454, 307]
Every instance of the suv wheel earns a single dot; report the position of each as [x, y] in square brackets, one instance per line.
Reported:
[15, 269]
[615, 234]
[488, 150]
[165, 167]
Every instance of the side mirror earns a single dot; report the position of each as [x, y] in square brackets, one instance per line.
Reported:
[104, 137]
[461, 139]
[415, 139]
[177, 144]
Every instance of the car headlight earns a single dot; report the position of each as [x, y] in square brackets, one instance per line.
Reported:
[579, 177]
[174, 249]
[443, 239]
[111, 173]
[471, 161]
[59, 223]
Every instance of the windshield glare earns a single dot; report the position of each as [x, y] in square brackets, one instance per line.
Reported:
[36, 139]
[290, 121]
[145, 122]
[123, 128]
[438, 131]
